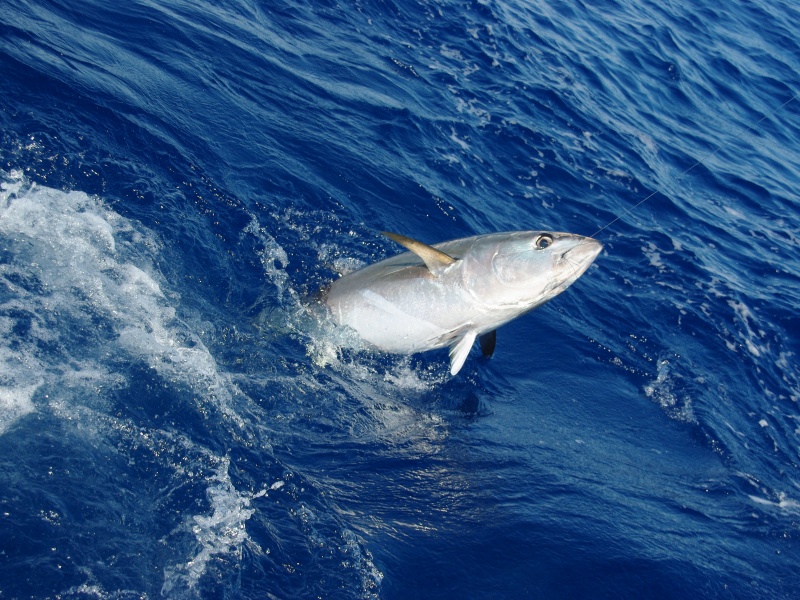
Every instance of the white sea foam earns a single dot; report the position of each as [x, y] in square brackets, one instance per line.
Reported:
[652, 253]
[662, 390]
[273, 258]
[81, 293]
[753, 336]
[220, 533]
[15, 403]
[77, 266]
[784, 503]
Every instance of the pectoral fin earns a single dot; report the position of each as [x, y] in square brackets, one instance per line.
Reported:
[488, 342]
[436, 260]
[460, 350]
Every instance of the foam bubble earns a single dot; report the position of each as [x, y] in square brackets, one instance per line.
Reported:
[81, 293]
[273, 258]
[783, 502]
[654, 256]
[752, 334]
[84, 279]
[662, 390]
[15, 403]
[221, 533]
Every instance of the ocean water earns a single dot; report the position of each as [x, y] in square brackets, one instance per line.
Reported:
[178, 180]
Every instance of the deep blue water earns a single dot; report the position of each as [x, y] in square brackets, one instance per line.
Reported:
[180, 177]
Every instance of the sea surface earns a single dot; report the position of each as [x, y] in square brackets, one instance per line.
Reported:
[178, 180]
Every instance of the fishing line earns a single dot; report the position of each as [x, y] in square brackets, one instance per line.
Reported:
[701, 161]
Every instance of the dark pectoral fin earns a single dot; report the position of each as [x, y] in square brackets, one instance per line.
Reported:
[488, 341]
[436, 260]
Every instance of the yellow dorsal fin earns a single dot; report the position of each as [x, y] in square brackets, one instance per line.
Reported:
[436, 260]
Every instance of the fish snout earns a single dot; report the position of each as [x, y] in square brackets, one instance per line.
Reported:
[582, 252]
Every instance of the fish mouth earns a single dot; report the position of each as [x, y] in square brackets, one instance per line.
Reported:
[583, 252]
[579, 257]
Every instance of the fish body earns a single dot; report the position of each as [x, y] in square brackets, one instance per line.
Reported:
[452, 293]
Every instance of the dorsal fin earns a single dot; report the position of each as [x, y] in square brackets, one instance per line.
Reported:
[436, 260]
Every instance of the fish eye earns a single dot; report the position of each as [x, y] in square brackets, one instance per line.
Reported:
[544, 241]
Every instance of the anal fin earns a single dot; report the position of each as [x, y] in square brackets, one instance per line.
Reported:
[488, 341]
[460, 350]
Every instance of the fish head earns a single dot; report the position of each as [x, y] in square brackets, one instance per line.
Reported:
[528, 268]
